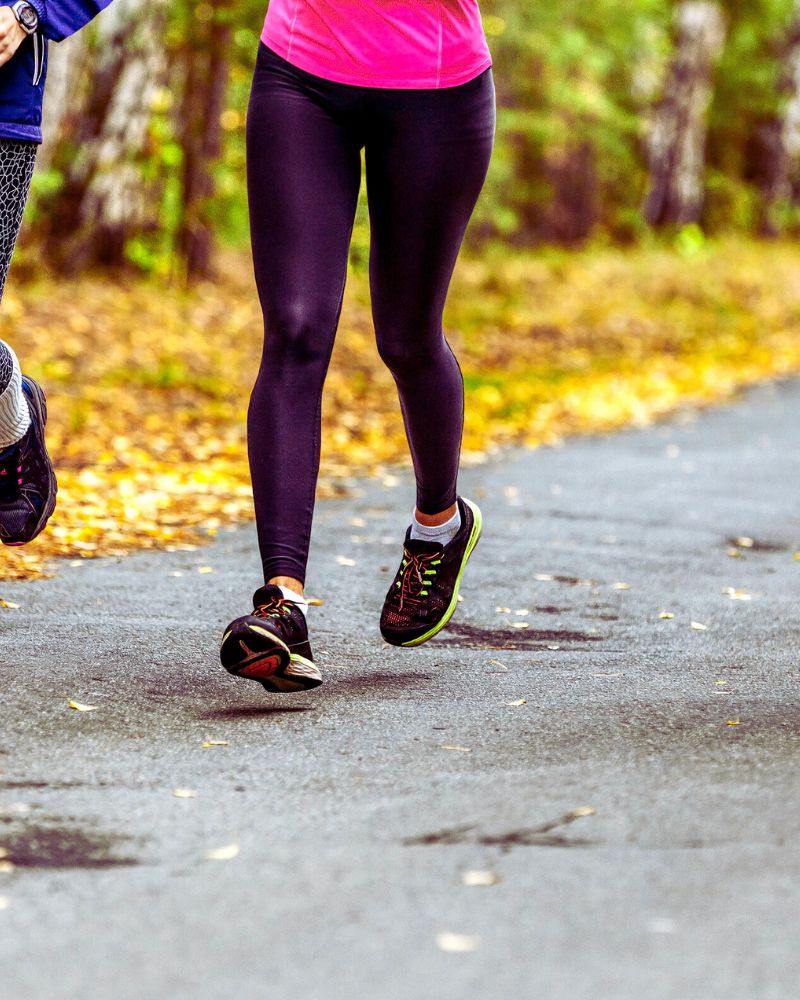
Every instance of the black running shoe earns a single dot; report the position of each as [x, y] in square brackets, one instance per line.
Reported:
[271, 644]
[27, 480]
[424, 592]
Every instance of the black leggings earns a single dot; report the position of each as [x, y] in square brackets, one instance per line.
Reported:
[426, 154]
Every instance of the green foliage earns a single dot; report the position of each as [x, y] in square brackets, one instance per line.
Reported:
[566, 80]
[576, 83]
[748, 97]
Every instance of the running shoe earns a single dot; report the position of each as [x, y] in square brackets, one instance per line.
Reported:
[424, 592]
[271, 644]
[27, 480]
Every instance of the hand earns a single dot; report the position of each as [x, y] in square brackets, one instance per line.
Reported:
[12, 34]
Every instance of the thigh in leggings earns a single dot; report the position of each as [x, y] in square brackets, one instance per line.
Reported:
[304, 174]
[427, 155]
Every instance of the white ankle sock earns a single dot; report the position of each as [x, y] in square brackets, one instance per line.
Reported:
[15, 417]
[442, 533]
[298, 599]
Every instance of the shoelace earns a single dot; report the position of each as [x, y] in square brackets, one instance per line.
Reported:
[415, 569]
[273, 608]
[11, 474]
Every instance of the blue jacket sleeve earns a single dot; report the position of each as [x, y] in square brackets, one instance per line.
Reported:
[60, 18]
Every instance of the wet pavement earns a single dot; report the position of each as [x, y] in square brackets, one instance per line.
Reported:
[585, 787]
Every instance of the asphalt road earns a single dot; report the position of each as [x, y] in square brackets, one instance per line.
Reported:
[639, 813]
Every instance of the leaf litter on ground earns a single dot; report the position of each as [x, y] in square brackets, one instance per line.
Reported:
[148, 385]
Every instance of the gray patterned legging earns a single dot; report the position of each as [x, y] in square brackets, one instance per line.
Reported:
[16, 169]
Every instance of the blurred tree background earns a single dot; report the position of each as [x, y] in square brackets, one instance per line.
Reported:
[612, 119]
[633, 250]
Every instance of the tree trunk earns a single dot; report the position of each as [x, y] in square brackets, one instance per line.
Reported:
[103, 130]
[775, 146]
[67, 64]
[205, 84]
[676, 145]
[574, 211]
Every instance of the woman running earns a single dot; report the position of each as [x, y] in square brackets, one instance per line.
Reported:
[27, 480]
[410, 82]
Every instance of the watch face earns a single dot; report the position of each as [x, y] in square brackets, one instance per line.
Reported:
[28, 17]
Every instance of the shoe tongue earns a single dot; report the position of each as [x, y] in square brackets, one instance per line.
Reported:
[420, 546]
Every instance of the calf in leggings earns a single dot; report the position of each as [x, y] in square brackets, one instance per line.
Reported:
[27, 479]
[331, 79]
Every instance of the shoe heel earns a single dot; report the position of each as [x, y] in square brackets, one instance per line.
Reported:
[266, 666]
[477, 528]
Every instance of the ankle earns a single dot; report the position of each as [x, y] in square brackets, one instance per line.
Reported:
[15, 416]
[443, 531]
[291, 582]
[433, 520]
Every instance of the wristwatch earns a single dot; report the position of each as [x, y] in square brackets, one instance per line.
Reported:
[27, 16]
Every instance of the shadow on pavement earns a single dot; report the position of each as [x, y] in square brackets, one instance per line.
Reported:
[248, 711]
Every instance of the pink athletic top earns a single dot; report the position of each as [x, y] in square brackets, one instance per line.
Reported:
[380, 43]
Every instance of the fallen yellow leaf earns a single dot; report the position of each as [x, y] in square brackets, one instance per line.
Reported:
[666, 614]
[78, 707]
[519, 701]
[733, 722]
[478, 877]
[214, 743]
[8, 604]
[457, 942]
[622, 586]
[736, 593]
[698, 626]
[223, 853]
